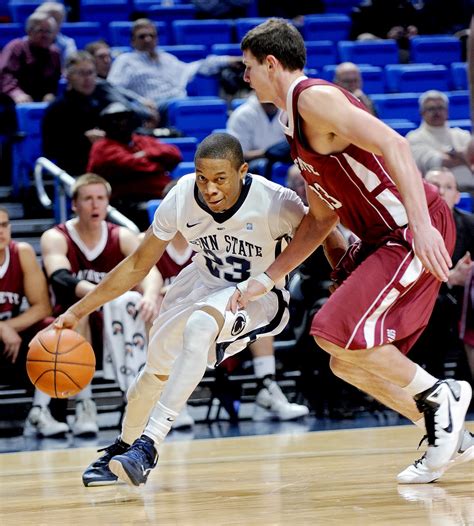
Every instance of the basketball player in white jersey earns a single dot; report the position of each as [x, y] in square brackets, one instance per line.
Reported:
[235, 222]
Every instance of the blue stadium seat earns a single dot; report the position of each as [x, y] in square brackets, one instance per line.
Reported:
[103, 11]
[120, 33]
[226, 49]
[458, 104]
[435, 49]
[82, 32]
[279, 172]
[320, 53]
[204, 85]
[20, 10]
[459, 75]
[187, 146]
[242, 25]
[374, 52]
[466, 202]
[183, 168]
[9, 32]
[165, 13]
[340, 6]
[465, 124]
[187, 53]
[27, 149]
[397, 106]
[202, 32]
[326, 27]
[372, 77]
[151, 207]
[197, 117]
[416, 77]
[402, 126]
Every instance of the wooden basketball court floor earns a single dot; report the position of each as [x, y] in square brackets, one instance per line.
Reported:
[317, 478]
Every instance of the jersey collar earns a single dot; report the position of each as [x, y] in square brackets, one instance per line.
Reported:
[288, 115]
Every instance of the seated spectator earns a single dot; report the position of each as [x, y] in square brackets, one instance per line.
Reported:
[348, 76]
[257, 126]
[136, 165]
[76, 255]
[100, 52]
[156, 74]
[71, 123]
[435, 144]
[30, 67]
[66, 45]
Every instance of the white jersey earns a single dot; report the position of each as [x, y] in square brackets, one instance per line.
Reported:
[233, 245]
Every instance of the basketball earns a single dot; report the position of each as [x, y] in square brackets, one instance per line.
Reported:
[60, 362]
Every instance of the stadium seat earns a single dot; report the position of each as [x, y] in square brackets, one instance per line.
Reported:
[464, 124]
[416, 77]
[340, 6]
[402, 126]
[326, 27]
[151, 207]
[397, 106]
[373, 52]
[242, 25]
[187, 146]
[9, 32]
[279, 172]
[372, 77]
[120, 33]
[202, 32]
[183, 168]
[82, 32]
[204, 85]
[20, 10]
[466, 202]
[103, 11]
[187, 53]
[458, 104]
[226, 49]
[435, 49]
[197, 117]
[459, 75]
[29, 146]
[165, 13]
[320, 53]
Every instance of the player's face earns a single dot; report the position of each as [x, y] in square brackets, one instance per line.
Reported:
[219, 182]
[446, 183]
[91, 203]
[5, 230]
[257, 75]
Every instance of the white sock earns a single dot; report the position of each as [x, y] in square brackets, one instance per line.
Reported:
[85, 394]
[421, 382]
[160, 423]
[41, 399]
[264, 366]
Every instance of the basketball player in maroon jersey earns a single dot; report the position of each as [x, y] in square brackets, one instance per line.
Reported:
[360, 172]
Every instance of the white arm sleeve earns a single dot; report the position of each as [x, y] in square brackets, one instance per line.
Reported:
[165, 221]
[287, 211]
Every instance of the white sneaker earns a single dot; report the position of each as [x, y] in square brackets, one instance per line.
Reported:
[270, 402]
[86, 418]
[40, 422]
[183, 420]
[420, 473]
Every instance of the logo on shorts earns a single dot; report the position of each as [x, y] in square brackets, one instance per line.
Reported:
[391, 335]
[239, 324]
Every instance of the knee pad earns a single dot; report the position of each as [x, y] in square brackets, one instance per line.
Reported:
[145, 385]
[201, 330]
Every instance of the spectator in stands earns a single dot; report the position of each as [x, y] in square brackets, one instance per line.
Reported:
[156, 74]
[347, 75]
[71, 123]
[30, 67]
[76, 255]
[442, 332]
[256, 124]
[218, 9]
[65, 44]
[435, 144]
[136, 165]
[100, 52]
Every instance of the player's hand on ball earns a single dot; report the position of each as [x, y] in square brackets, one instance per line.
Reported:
[67, 320]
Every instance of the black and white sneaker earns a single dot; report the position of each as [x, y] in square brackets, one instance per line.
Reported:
[134, 466]
[98, 473]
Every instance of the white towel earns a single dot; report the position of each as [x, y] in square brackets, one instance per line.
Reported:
[125, 341]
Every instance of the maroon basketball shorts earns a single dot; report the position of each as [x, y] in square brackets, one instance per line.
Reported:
[388, 297]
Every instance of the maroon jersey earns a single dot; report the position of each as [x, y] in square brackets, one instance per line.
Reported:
[172, 263]
[354, 183]
[11, 284]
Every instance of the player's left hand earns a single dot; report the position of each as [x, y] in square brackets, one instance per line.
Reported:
[148, 309]
[430, 248]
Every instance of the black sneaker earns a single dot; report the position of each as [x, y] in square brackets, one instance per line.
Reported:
[134, 465]
[98, 473]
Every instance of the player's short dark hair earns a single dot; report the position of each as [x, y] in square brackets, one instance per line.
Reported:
[221, 146]
[276, 37]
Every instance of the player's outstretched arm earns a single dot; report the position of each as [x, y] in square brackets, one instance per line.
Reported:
[123, 277]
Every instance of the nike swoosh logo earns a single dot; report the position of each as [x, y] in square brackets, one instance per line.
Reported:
[449, 428]
[190, 225]
[455, 396]
[170, 419]
[392, 244]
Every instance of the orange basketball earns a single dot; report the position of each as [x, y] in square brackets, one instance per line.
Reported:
[60, 362]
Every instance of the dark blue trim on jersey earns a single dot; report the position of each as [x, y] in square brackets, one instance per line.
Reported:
[222, 217]
[282, 306]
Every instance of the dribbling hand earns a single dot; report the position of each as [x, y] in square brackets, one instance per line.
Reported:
[67, 320]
